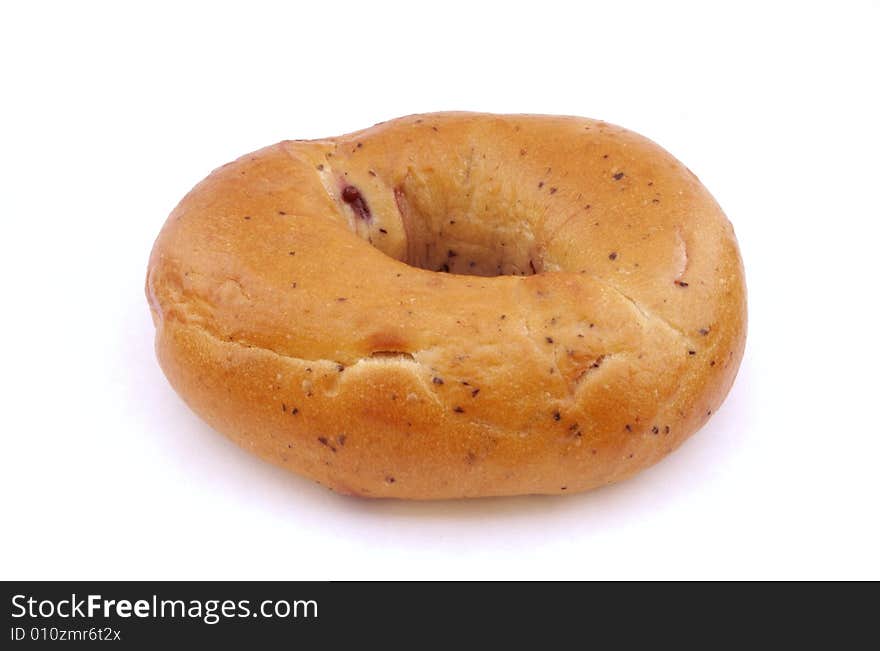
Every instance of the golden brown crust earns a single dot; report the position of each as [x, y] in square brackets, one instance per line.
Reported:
[287, 316]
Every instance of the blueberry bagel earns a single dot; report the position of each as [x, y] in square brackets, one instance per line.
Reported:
[452, 305]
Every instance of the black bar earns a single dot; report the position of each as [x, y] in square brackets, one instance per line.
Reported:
[325, 615]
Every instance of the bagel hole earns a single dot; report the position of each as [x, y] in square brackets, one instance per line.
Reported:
[462, 236]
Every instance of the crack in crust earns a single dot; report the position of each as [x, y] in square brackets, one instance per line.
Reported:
[645, 313]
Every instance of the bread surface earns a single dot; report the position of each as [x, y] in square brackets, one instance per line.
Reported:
[452, 305]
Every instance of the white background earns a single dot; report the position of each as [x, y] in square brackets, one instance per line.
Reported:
[111, 113]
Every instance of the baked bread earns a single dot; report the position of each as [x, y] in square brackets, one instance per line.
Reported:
[452, 305]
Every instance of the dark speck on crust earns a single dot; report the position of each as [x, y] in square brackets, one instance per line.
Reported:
[618, 176]
[437, 380]
[557, 415]
[612, 255]
[323, 441]
[681, 283]
[458, 410]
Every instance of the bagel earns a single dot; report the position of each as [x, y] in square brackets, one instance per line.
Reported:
[452, 305]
